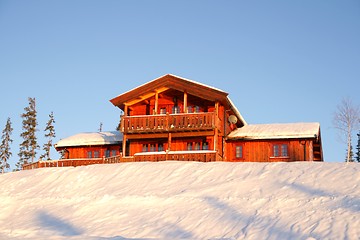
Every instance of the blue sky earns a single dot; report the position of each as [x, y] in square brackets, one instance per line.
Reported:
[280, 61]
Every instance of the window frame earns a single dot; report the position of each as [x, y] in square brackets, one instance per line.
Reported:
[241, 146]
[282, 150]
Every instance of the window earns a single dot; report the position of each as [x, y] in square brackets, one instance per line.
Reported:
[189, 146]
[205, 146]
[107, 153]
[189, 109]
[160, 147]
[152, 148]
[96, 154]
[175, 109]
[145, 148]
[162, 110]
[197, 109]
[89, 154]
[239, 151]
[113, 153]
[280, 150]
[197, 146]
[284, 150]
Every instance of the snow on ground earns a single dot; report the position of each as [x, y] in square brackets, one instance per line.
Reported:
[191, 200]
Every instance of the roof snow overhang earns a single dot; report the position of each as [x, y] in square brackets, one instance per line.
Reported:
[91, 139]
[170, 81]
[276, 131]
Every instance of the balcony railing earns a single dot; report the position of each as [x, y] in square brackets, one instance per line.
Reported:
[168, 123]
[197, 156]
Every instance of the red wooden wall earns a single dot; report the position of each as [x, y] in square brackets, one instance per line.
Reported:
[82, 151]
[262, 150]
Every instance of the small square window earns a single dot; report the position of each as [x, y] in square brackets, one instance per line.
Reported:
[96, 154]
[162, 110]
[239, 151]
[89, 154]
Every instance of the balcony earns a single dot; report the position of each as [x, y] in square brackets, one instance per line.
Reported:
[168, 123]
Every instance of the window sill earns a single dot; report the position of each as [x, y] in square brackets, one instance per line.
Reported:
[286, 157]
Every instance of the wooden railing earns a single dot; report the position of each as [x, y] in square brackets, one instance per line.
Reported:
[168, 122]
[197, 156]
[71, 162]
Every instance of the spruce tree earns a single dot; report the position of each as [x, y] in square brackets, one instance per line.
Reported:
[50, 135]
[29, 145]
[357, 158]
[5, 152]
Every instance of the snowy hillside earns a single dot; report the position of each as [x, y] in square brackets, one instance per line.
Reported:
[191, 200]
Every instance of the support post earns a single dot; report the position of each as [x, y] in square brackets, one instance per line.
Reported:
[216, 134]
[185, 102]
[169, 141]
[156, 102]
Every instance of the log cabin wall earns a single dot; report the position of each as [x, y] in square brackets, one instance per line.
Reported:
[263, 150]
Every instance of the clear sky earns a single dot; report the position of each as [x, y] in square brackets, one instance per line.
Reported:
[280, 61]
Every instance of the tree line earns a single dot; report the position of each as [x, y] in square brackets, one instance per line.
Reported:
[29, 147]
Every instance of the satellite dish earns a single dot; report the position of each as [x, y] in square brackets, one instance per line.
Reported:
[232, 119]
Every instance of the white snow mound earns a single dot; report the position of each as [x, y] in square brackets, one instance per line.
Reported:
[188, 200]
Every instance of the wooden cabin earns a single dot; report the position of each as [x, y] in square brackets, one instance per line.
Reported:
[174, 118]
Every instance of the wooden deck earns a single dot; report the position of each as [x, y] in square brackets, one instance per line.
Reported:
[168, 123]
[199, 156]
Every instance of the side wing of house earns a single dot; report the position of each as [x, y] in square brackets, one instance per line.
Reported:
[90, 145]
[275, 142]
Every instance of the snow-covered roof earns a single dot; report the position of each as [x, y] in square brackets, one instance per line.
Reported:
[172, 75]
[276, 131]
[91, 138]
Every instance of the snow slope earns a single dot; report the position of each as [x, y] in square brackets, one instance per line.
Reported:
[191, 200]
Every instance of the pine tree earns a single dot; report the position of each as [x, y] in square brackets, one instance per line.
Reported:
[29, 146]
[357, 158]
[50, 135]
[6, 140]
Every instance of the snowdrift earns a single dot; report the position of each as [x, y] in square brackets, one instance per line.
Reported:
[191, 200]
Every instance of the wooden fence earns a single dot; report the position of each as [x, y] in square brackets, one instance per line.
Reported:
[198, 156]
